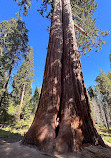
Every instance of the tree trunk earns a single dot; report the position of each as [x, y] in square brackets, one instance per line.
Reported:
[7, 82]
[96, 111]
[21, 101]
[42, 131]
[63, 95]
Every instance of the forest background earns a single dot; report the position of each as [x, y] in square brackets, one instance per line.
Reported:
[100, 95]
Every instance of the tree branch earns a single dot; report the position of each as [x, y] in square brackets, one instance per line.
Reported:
[80, 29]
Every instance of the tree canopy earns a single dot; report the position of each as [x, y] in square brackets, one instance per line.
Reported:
[14, 46]
[88, 35]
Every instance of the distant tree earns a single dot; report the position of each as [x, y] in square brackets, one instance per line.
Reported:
[103, 108]
[35, 100]
[101, 97]
[22, 84]
[104, 84]
[98, 107]
[110, 58]
[13, 46]
[104, 91]
[94, 104]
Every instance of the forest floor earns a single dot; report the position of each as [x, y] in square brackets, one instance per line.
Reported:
[10, 146]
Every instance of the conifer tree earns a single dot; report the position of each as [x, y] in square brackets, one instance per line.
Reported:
[22, 84]
[104, 91]
[35, 100]
[13, 46]
[98, 108]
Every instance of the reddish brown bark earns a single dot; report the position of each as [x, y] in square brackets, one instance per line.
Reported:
[63, 92]
[42, 130]
[21, 101]
[77, 125]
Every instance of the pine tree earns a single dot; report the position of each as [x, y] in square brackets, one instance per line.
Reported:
[35, 100]
[98, 108]
[95, 107]
[104, 91]
[103, 108]
[14, 45]
[104, 84]
[22, 84]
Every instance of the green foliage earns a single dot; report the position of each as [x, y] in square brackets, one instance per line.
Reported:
[14, 41]
[83, 16]
[82, 12]
[13, 109]
[105, 133]
[91, 92]
[101, 98]
[35, 99]
[104, 87]
[4, 115]
[26, 4]
[110, 58]
[5, 132]
[13, 47]
[24, 76]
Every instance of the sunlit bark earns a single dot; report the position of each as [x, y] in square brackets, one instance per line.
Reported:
[21, 101]
[42, 131]
[63, 92]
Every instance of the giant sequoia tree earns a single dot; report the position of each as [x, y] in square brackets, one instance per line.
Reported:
[63, 95]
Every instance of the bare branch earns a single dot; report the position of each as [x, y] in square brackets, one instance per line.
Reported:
[80, 29]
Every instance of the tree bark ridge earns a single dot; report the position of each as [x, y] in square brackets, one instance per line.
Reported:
[42, 130]
[63, 92]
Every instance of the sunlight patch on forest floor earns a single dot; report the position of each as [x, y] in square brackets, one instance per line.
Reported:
[106, 135]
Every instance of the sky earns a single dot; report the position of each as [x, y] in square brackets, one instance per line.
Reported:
[39, 36]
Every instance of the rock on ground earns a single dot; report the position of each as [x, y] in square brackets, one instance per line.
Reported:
[96, 152]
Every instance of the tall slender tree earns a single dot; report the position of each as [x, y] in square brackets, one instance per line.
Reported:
[64, 96]
[14, 45]
[35, 100]
[104, 93]
[98, 107]
[22, 83]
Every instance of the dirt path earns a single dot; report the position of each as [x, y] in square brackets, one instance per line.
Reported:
[12, 148]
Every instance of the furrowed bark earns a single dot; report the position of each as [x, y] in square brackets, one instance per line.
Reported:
[77, 125]
[63, 92]
[42, 130]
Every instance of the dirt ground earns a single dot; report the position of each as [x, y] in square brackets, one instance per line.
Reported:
[12, 148]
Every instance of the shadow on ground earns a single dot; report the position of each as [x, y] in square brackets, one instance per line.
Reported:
[9, 137]
[10, 147]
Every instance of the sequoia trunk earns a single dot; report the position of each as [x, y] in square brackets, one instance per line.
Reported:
[76, 127]
[42, 131]
[63, 95]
